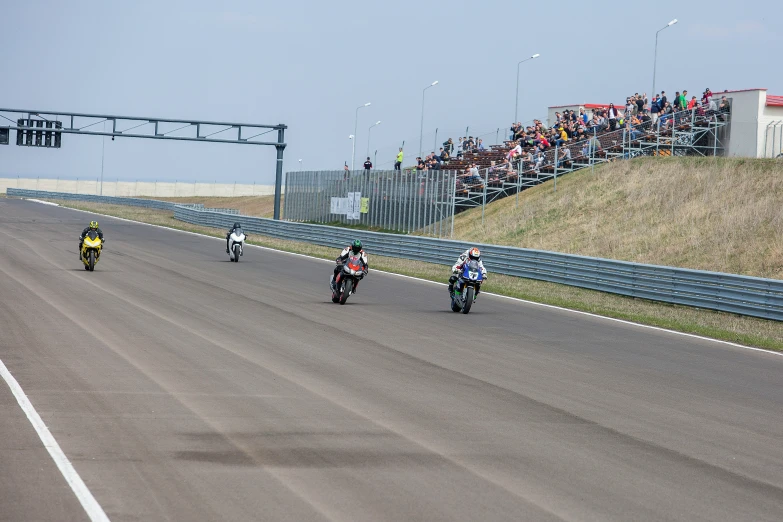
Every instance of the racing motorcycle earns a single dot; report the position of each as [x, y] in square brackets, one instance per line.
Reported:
[344, 283]
[235, 243]
[91, 250]
[468, 281]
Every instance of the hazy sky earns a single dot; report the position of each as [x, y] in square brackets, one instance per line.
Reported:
[309, 65]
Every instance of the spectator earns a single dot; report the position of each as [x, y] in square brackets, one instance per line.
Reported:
[565, 157]
[583, 116]
[444, 155]
[585, 151]
[663, 102]
[368, 164]
[448, 146]
[538, 159]
[346, 171]
[481, 144]
[419, 163]
[460, 148]
[705, 98]
[655, 107]
[712, 107]
[641, 103]
[724, 108]
[398, 162]
[561, 137]
[613, 114]
[595, 145]
[630, 108]
[692, 103]
[684, 101]
[645, 117]
[676, 101]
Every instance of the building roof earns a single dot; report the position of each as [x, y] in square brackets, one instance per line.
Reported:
[586, 105]
[774, 101]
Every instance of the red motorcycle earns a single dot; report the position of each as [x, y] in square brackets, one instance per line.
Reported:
[353, 271]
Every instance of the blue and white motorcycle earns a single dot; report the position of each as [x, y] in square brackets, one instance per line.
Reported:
[468, 281]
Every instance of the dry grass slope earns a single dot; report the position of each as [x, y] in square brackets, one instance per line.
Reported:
[720, 214]
[261, 206]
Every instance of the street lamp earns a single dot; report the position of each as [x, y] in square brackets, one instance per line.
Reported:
[368, 136]
[655, 62]
[355, 123]
[516, 105]
[300, 164]
[421, 131]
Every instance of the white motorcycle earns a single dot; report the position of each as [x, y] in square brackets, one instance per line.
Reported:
[235, 243]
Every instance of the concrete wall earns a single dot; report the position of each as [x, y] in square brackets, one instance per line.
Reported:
[771, 132]
[745, 112]
[140, 188]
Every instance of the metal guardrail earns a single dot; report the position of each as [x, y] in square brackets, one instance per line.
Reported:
[739, 294]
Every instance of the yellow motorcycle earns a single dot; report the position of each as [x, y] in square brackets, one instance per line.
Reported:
[91, 250]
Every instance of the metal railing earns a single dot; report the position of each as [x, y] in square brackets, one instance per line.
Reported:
[403, 201]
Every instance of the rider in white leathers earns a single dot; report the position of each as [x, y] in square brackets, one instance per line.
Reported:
[469, 254]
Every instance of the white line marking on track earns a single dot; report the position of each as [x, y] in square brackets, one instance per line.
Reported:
[88, 502]
[43, 202]
[553, 307]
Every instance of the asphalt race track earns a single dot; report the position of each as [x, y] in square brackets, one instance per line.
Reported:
[185, 387]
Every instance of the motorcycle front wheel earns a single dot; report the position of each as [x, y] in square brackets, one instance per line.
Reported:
[236, 253]
[468, 299]
[92, 260]
[347, 287]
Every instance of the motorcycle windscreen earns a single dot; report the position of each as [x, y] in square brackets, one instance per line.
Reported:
[354, 263]
[92, 234]
[471, 271]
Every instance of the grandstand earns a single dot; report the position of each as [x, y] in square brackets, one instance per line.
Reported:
[730, 123]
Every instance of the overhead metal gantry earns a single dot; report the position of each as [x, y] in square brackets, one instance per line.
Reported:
[39, 128]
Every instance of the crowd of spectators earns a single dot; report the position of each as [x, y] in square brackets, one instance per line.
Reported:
[574, 134]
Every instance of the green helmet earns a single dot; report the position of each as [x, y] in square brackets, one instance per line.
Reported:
[356, 246]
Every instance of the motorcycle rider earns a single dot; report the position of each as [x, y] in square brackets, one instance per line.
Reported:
[356, 249]
[92, 226]
[236, 226]
[473, 254]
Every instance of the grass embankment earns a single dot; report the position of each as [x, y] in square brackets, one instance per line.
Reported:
[719, 214]
[744, 330]
[261, 206]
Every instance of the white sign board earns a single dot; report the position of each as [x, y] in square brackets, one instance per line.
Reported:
[339, 206]
[354, 205]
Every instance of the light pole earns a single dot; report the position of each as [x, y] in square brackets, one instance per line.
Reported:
[353, 142]
[353, 136]
[421, 131]
[516, 104]
[300, 164]
[655, 62]
[368, 136]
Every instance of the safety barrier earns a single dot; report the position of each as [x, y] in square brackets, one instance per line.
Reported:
[745, 295]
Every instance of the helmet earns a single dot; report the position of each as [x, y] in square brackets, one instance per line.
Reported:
[474, 253]
[93, 224]
[237, 225]
[356, 246]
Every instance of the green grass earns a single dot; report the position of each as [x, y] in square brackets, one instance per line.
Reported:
[717, 325]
